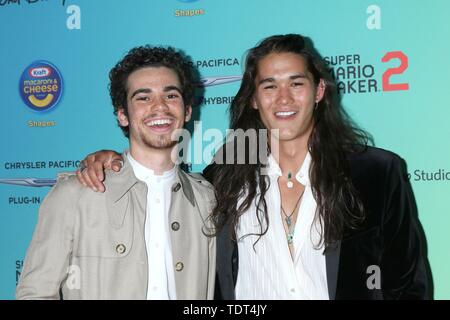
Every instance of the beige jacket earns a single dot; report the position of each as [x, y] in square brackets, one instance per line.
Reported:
[90, 245]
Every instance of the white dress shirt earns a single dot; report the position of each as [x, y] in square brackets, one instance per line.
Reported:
[266, 269]
[161, 278]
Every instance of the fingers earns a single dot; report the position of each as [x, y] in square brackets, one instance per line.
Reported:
[117, 164]
[114, 162]
[79, 171]
[80, 177]
[96, 175]
[91, 174]
[85, 179]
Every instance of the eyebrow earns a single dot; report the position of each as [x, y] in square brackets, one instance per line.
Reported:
[293, 77]
[148, 90]
[170, 88]
[142, 90]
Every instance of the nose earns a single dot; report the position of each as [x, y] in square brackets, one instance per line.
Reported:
[284, 95]
[160, 104]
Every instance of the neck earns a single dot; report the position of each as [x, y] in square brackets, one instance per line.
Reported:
[158, 160]
[290, 154]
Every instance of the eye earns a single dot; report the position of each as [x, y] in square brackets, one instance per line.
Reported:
[297, 84]
[143, 98]
[173, 96]
[268, 87]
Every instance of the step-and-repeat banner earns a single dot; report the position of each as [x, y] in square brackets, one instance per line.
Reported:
[390, 59]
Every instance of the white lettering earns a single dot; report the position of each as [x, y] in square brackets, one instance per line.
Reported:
[74, 20]
[374, 20]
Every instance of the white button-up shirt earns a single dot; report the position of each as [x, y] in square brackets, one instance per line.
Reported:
[266, 269]
[161, 278]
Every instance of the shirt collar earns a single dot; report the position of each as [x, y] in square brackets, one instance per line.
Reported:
[302, 176]
[146, 174]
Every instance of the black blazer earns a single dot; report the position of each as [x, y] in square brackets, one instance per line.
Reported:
[391, 238]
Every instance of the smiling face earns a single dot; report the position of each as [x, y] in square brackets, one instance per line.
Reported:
[286, 94]
[155, 108]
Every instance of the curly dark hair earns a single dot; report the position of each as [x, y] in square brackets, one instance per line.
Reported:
[150, 56]
[332, 139]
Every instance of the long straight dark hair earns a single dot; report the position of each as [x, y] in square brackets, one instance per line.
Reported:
[332, 139]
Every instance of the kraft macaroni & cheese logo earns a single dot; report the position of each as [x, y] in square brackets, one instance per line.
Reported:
[41, 86]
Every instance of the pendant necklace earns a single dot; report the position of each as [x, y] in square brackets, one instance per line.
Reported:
[290, 184]
[289, 222]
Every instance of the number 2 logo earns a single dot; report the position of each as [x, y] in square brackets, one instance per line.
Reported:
[387, 86]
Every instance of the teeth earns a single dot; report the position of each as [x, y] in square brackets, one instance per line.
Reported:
[159, 122]
[285, 113]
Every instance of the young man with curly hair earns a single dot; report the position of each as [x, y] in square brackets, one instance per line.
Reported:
[145, 237]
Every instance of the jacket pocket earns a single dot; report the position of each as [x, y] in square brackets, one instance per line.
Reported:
[102, 237]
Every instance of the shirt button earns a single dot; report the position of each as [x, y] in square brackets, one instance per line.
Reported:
[156, 245]
[120, 249]
[179, 266]
[175, 226]
[292, 290]
[176, 187]
[157, 200]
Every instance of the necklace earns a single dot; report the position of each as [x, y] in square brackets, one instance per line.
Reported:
[290, 184]
[288, 219]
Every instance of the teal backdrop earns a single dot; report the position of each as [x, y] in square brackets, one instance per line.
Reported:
[389, 57]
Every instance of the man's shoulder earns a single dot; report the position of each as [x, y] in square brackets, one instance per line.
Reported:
[65, 193]
[68, 182]
[68, 187]
[374, 158]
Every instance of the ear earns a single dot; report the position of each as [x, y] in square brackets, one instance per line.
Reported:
[254, 104]
[320, 90]
[188, 114]
[123, 119]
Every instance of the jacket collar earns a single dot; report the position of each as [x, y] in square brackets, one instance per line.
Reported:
[119, 183]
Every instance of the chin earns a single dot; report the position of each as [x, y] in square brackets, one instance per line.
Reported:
[162, 146]
[162, 142]
[286, 135]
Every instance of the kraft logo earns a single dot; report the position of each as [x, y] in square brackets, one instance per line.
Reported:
[41, 86]
[40, 72]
